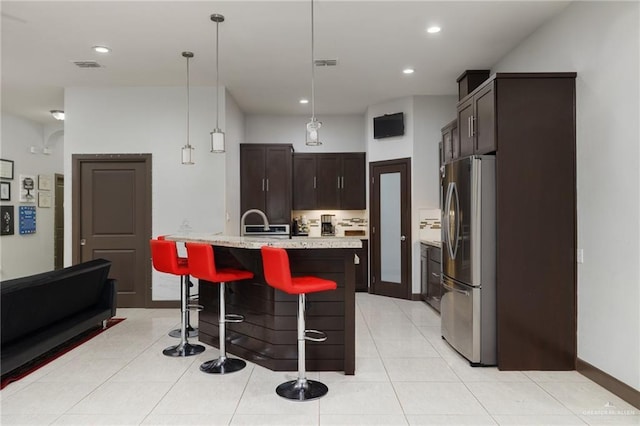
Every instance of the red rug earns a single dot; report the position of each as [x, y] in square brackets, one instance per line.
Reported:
[55, 353]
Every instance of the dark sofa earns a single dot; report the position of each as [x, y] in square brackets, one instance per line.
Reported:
[43, 311]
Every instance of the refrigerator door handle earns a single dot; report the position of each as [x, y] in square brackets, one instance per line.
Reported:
[454, 191]
[447, 209]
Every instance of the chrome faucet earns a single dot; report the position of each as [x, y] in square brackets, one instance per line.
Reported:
[247, 213]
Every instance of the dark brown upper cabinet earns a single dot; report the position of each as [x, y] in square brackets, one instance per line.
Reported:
[450, 142]
[265, 181]
[329, 181]
[476, 122]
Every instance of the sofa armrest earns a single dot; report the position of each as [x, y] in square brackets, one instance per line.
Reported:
[109, 295]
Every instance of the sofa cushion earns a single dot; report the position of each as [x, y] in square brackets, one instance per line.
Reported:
[31, 303]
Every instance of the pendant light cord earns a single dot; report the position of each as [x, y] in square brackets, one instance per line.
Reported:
[217, 75]
[188, 144]
[313, 111]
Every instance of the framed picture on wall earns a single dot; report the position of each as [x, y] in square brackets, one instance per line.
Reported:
[44, 182]
[6, 220]
[5, 191]
[6, 169]
[27, 189]
[44, 199]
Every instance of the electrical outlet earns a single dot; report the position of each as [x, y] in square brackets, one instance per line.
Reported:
[580, 256]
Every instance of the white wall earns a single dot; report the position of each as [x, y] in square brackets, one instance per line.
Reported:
[600, 41]
[424, 117]
[235, 135]
[339, 133]
[153, 120]
[23, 255]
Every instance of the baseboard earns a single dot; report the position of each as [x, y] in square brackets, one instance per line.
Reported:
[416, 296]
[160, 304]
[610, 383]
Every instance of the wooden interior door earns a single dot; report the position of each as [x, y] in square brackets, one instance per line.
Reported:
[58, 219]
[112, 220]
[390, 191]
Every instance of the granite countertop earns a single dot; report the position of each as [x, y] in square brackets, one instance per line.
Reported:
[257, 242]
[432, 243]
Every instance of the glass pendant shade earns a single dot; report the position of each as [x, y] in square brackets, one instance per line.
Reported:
[187, 155]
[217, 141]
[313, 133]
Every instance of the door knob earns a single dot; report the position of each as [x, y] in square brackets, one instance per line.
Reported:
[402, 238]
[83, 242]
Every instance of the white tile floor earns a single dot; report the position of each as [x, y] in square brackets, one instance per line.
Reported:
[405, 374]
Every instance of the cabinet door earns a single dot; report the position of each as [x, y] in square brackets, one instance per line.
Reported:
[252, 180]
[455, 142]
[465, 115]
[484, 121]
[328, 168]
[447, 145]
[352, 182]
[304, 177]
[278, 184]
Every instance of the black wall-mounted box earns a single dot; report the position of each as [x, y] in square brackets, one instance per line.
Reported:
[469, 80]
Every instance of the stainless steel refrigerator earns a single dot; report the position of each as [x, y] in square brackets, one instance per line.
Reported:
[468, 303]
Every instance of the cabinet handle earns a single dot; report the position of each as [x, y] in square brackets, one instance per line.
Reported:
[473, 126]
[338, 182]
[435, 275]
[469, 127]
[342, 182]
[267, 184]
[314, 182]
[262, 184]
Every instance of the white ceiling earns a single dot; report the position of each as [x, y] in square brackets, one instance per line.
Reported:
[265, 48]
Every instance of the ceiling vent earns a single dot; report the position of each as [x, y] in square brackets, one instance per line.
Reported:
[87, 64]
[325, 62]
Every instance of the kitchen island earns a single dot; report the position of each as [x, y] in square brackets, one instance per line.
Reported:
[267, 336]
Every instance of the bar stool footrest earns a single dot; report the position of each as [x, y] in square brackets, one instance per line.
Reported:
[322, 336]
[233, 318]
[223, 366]
[195, 307]
[296, 390]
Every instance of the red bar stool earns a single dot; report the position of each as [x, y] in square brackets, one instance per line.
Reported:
[164, 255]
[191, 332]
[278, 275]
[202, 266]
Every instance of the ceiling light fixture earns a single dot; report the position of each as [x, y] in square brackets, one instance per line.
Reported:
[187, 150]
[434, 29]
[408, 70]
[217, 136]
[101, 49]
[304, 101]
[57, 114]
[313, 126]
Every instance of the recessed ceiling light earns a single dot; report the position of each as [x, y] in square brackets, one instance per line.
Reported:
[101, 49]
[408, 70]
[434, 29]
[304, 101]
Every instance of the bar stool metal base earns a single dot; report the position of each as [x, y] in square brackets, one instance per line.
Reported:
[191, 332]
[297, 390]
[183, 350]
[223, 366]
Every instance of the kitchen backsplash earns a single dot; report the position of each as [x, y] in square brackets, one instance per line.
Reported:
[345, 220]
[430, 226]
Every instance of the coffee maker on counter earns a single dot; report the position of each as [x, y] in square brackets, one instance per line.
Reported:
[327, 227]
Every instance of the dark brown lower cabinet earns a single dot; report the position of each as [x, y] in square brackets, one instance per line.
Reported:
[362, 269]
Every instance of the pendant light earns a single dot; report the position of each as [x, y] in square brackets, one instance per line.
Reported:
[313, 126]
[217, 136]
[187, 150]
